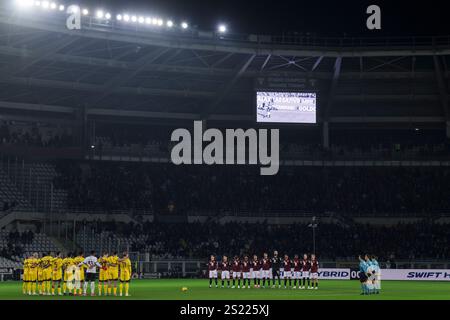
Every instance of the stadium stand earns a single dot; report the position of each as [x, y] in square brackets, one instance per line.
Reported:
[346, 190]
[9, 264]
[16, 245]
[10, 196]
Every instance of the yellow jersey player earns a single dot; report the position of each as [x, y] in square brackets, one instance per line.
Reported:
[125, 273]
[57, 263]
[103, 274]
[68, 267]
[113, 273]
[40, 275]
[33, 272]
[46, 263]
[25, 276]
[79, 275]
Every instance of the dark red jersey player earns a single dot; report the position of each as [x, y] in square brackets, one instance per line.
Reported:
[306, 267]
[237, 269]
[212, 268]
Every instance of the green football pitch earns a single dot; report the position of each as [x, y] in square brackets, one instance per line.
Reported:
[199, 290]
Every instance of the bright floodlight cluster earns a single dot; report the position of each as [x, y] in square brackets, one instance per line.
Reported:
[105, 16]
[44, 4]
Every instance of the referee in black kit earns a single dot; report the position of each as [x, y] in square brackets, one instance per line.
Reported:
[276, 263]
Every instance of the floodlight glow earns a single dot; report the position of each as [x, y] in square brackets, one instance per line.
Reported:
[119, 17]
[222, 28]
[108, 15]
[126, 18]
[155, 21]
[141, 20]
[37, 3]
[73, 9]
[61, 8]
[85, 12]
[160, 22]
[100, 14]
[170, 23]
[24, 3]
[184, 25]
[45, 4]
[148, 20]
[53, 6]
[134, 18]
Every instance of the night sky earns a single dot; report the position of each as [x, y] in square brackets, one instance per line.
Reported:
[325, 18]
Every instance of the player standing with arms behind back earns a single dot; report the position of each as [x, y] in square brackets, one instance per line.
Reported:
[212, 270]
[306, 267]
[225, 271]
[265, 266]
[236, 267]
[297, 271]
[91, 264]
[287, 274]
[255, 270]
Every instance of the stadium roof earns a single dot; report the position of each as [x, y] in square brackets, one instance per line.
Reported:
[107, 69]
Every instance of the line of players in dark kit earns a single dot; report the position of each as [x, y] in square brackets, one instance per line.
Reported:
[295, 273]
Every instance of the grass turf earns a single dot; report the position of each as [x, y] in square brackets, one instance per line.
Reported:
[170, 289]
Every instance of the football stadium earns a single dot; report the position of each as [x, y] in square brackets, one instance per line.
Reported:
[143, 157]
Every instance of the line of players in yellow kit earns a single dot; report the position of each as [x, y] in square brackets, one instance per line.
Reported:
[48, 273]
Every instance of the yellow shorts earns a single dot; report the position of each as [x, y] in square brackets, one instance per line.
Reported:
[40, 275]
[103, 275]
[68, 276]
[32, 275]
[57, 275]
[125, 275]
[113, 274]
[48, 274]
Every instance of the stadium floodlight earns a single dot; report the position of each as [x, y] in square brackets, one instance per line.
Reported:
[141, 19]
[148, 20]
[160, 22]
[25, 3]
[100, 14]
[37, 3]
[85, 12]
[45, 4]
[126, 18]
[154, 21]
[119, 17]
[184, 25]
[222, 28]
[133, 18]
[108, 15]
[61, 7]
[53, 6]
[169, 23]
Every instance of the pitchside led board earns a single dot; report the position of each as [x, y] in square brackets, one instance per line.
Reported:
[286, 107]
